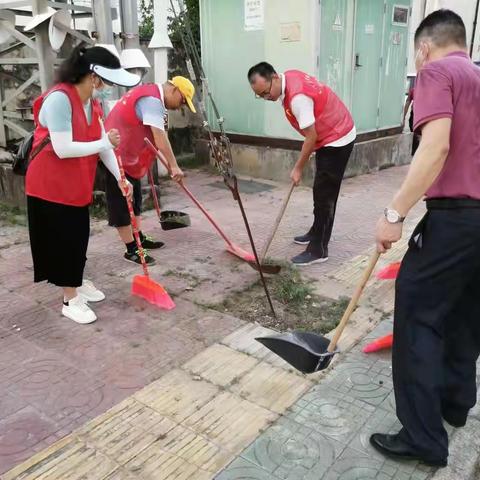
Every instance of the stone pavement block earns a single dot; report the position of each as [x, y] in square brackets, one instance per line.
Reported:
[244, 341]
[379, 422]
[127, 431]
[332, 414]
[220, 365]
[188, 446]
[177, 395]
[154, 465]
[291, 451]
[354, 377]
[21, 434]
[244, 470]
[229, 421]
[270, 387]
[464, 462]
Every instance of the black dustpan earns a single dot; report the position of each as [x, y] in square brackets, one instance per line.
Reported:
[309, 352]
[305, 351]
[170, 219]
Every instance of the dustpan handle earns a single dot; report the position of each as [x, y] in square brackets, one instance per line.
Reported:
[154, 192]
[276, 224]
[189, 193]
[353, 302]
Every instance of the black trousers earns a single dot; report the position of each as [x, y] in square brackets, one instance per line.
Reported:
[117, 209]
[330, 163]
[437, 326]
[59, 240]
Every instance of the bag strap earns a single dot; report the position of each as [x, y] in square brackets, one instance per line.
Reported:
[43, 144]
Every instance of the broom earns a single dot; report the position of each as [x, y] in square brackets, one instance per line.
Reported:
[142, 285]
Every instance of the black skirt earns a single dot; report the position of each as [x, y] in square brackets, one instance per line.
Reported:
[59, 240]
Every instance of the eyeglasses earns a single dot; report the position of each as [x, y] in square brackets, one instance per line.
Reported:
[265, 93]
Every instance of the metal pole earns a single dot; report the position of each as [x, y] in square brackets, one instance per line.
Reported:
[129, 15]
[46, 56]
[475, 22]
[102, 16]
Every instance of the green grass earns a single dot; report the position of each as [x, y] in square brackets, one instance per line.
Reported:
[13, 215]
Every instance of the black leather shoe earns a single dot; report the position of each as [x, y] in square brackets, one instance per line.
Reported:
[393, 446]
[454, 416]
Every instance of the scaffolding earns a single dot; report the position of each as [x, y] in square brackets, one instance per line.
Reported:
[39, 56]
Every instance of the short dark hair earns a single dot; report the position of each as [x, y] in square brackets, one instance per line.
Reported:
[263, 69]
[77, 65]
[444, 28]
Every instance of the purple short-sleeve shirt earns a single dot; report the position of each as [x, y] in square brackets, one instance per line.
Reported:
[450, 88]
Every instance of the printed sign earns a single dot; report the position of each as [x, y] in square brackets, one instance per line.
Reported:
[369, 29]
[254, 16]
[337, 24]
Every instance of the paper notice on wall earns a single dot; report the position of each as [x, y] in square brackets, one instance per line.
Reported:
[369, 29]
[254, 16]
[290, 32]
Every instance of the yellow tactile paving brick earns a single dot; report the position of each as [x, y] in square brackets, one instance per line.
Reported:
[220, 365]
[271, 387]
[229, 421]
[176, 395]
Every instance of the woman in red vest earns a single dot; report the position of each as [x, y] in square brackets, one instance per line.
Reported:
[60, 178]
[321, 117]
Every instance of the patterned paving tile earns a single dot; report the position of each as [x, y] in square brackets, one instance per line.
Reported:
[335, 415]
[244, 470]
[291, 451]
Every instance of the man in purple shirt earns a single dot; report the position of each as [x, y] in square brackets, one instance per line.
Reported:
[437, 304]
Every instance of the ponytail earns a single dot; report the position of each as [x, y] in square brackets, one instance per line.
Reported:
[78, 64]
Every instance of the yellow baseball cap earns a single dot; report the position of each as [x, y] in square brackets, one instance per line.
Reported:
[186, 89]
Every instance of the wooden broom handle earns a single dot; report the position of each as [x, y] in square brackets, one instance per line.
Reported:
[277, 223]
[353, 302]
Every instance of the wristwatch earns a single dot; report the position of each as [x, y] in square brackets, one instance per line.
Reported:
[393, 216]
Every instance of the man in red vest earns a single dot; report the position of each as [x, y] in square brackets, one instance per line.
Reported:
[138, 114]
[320, 116]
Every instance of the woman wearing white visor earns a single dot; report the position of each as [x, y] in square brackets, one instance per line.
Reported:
[69, 139]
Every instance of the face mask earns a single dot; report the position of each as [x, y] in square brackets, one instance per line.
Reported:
[102, 94]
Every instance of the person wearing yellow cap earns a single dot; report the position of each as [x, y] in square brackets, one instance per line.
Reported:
[138, 114]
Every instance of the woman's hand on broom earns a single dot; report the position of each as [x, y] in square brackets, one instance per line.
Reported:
[126, 188]
[114, 137]
[177, 173]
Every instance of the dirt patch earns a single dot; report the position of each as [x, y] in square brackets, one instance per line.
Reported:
[296, 306]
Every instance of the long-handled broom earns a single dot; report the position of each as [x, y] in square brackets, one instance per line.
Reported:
[142, 285]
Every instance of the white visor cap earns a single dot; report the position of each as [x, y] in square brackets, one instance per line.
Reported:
[118, 76]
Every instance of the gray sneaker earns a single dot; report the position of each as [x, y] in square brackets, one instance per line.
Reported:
[308, 258]
[303, 239]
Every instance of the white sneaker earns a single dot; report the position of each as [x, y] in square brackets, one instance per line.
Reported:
[78, 311]
[89, 292]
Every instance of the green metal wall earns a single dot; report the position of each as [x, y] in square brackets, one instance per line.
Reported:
[351, 45]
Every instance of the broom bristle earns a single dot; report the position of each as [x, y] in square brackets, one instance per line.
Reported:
[379, 344]
[152, 292]
[241, 253]
[390, 272]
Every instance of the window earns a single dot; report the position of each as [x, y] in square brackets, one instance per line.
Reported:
[400, 15]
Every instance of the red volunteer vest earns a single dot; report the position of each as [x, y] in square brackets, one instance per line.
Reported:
[68, 181]
[332, 118]
[135, 155]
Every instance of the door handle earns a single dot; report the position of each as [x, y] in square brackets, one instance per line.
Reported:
[357, 61]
